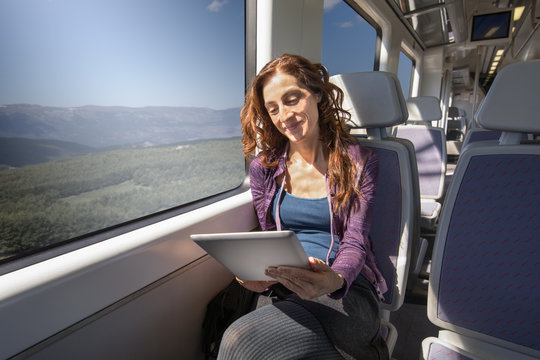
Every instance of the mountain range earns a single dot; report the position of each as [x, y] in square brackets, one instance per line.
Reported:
[108, 126]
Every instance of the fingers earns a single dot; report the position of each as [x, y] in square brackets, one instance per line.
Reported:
[318, 264]
[305, 283]
[301, 281]
[256, 286]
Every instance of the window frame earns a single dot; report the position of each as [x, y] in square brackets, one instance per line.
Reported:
[413, 69]
[33, 256]
[86, 278]
[378, 32]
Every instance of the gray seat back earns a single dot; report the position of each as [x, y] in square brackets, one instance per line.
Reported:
[484, 278]
[376, 102]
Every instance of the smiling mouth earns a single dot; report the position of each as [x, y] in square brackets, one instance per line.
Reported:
[293, 126]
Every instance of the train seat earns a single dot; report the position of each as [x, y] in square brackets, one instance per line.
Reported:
[424, 110]
[376, 102]
[479, 134]
[430, 146]
[483, 289]
[482, 137]
[456, 127]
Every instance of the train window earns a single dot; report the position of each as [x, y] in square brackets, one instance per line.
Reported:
[405, 73]
[345, 31]
[112, 110]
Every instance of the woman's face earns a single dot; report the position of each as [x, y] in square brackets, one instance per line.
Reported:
[292, 108]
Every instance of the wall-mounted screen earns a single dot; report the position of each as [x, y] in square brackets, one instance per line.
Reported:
[491, 26]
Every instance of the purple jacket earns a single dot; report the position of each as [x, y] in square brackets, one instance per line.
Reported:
[354, 255]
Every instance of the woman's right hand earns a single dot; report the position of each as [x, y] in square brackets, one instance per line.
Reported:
[256, 286]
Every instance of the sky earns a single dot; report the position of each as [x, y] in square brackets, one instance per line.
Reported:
[355, 49]
[146, 52]
[122, 52]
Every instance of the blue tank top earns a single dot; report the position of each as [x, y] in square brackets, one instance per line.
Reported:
[310, 220]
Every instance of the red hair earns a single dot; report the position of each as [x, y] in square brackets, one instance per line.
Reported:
[259, 131]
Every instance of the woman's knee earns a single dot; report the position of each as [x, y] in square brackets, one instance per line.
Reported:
[234, 334]
[240, 339]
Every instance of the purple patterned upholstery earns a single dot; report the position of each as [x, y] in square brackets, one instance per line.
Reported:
[481, 135]
[440, 352]
[385, 231]
[484, 135]
[428, 144]
[490, 279]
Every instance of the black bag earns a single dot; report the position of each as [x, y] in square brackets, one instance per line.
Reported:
[230, 304]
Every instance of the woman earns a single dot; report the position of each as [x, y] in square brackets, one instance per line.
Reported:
[310, 176]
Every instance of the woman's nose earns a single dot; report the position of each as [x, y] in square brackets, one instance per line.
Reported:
[285, 113]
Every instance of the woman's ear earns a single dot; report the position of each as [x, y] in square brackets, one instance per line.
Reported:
[318, 97]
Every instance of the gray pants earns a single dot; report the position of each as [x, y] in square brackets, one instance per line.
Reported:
[283, 326]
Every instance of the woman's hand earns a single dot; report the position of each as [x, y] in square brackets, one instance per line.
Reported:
[308, 284]
[256, 286]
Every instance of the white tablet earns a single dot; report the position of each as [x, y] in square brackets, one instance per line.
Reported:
[249, 254]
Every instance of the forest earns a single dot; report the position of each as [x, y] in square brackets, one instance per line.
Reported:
[55, 201]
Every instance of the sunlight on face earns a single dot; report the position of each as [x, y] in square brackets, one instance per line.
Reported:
[292, 108]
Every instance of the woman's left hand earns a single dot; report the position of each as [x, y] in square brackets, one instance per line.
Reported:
[308, 284]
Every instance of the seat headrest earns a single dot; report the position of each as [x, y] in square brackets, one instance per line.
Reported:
[513, 101]
[373, 98]
[424, 108]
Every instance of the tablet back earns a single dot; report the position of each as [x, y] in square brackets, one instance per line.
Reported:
[249, 254]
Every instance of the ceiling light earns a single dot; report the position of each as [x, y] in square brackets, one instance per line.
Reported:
[518, 11]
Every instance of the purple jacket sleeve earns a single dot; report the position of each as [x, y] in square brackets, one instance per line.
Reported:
[259, 192]
[351, 256]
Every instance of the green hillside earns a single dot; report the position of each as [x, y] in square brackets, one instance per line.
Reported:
[51, 202]
[18, 152]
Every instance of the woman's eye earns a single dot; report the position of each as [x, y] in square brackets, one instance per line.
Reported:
[272, 111]
[292, 100]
